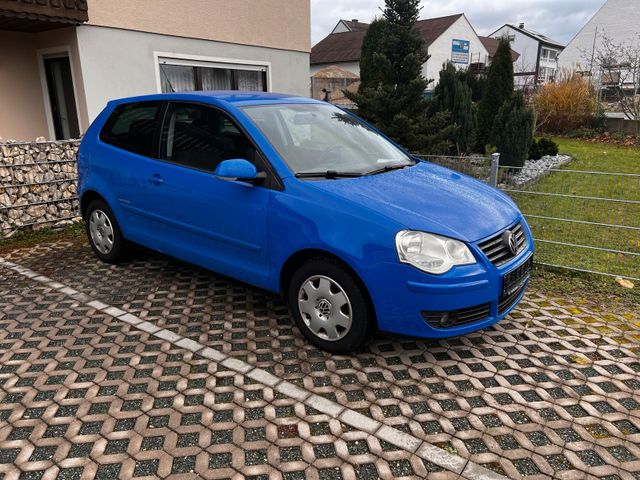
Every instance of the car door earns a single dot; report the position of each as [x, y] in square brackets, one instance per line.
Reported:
[128, 142]
[215, 223]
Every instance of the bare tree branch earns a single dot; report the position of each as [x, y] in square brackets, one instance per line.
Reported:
[617, 68]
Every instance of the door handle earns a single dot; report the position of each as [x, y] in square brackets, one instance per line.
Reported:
[156, 179]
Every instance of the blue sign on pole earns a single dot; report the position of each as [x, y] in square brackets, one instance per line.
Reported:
[460, 51]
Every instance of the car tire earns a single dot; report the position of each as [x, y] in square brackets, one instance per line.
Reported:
[103, 232]
[329, 306]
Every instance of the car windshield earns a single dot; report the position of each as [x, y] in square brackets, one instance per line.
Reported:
[317, 138]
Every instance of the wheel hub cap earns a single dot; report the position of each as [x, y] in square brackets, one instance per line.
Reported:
[101, 231]
[325, 308]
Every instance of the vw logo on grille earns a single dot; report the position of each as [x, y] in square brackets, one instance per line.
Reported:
[509, 241]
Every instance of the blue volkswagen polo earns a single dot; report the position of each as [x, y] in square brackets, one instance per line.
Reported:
[299, 197]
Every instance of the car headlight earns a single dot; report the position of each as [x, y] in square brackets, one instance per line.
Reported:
[432, 253]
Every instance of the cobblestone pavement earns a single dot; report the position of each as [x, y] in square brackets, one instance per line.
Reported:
[552, 391]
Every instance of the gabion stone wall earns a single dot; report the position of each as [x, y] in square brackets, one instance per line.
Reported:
[37, 185]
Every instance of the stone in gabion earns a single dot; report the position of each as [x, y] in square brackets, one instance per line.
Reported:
[37, 184]
[533, 169]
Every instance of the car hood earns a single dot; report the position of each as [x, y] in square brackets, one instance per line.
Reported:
[430, 198]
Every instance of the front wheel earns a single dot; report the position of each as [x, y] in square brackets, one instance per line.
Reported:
[329, 306]
[104, 232]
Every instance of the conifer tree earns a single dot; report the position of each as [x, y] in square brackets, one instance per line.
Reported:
[391, 93]
[498, 90]
[512, 132]
[454, 96]
[374, 65]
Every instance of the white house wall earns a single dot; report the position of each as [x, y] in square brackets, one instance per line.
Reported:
[526, 46]
[120, 63]
[440, 49]
[340, 28]
[619, 19]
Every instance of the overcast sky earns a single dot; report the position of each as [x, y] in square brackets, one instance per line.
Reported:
[558, 19]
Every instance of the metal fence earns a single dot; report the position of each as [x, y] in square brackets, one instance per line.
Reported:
[581, 220]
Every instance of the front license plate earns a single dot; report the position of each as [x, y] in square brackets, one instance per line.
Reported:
[516, 278]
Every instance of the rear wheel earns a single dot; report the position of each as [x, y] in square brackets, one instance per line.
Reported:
[104, 233]
[329, 306]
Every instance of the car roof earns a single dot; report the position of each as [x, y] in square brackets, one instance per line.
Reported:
[237, 98]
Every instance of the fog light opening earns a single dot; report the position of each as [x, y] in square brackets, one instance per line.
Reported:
[447, 319]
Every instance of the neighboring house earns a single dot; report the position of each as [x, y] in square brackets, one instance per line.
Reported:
[619, 20]
[491, 44]
[538, 61]
[350, 26]
[607, 50]
[62, 61]
[450, 38]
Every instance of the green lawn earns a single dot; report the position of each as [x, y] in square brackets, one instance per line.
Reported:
[600, 157]
[580, 206]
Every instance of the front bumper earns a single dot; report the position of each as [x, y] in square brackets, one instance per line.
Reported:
[410, 302]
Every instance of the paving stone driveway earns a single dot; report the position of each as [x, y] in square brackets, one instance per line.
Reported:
[552, 391]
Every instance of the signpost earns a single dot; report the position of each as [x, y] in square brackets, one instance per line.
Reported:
[460, 52]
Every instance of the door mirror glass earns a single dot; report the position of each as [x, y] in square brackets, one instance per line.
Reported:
[237, 169]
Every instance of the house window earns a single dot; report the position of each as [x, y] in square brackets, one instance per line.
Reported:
[187, 77]
[546, 75]
[550, 55]
[542, 75]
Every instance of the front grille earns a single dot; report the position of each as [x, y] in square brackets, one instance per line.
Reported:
[497, 252]
[456, 318]
[506, 302]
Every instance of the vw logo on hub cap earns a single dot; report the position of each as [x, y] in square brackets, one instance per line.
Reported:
[510, 242]
[323, 308]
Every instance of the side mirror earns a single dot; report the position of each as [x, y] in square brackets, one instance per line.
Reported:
[239, 170]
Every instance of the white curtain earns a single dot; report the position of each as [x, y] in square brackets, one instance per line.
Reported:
[215, 79]
[177, 78]
[250, 80]
[182, 78]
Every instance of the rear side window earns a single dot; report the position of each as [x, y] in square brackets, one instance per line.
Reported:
[132, 127]
[198, 136]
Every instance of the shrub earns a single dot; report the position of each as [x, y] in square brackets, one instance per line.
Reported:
[566, 105]
[513, 131]
[583, 132]
[547, 147]
[534, 151]
[542, 148]
[599, 120]
[474, 81]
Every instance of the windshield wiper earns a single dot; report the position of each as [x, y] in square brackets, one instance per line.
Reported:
[330, 174]
[388, 168]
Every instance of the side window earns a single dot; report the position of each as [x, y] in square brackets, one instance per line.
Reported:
[132, 127]
[201, 137]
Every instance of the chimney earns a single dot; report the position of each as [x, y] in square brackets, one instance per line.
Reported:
[355, 20]
[521, 25]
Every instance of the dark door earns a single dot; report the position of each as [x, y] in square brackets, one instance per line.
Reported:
[62, 98]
